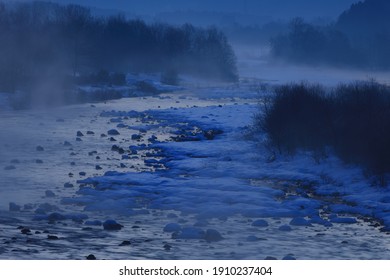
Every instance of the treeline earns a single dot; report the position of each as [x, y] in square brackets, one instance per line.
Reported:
[352, 119]
[43, 41]
[360, 38]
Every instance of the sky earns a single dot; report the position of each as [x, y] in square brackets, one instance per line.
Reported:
[275, 9]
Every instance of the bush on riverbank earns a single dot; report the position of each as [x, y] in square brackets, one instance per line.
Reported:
[352, 119]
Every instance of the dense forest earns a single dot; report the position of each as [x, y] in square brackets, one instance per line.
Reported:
[43, 41]
[359, 38]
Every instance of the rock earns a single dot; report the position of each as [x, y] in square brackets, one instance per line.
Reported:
[68, 185]
[116, 120]
[300, 221]
[92, 153]
[211, 133]
[289, 258]
[136, 137]
[39, 161]
[172, 227]
[213, 235]
[93, 223]
[52, 237]
[56, 217]
[167, 247]
[112, 139]
[66, 143]
[13, 207]
[40, 149]
[189, 233]
[98, 167]
[285, 228]
[103, 135]
[152, 139]
[269, 258]
[112, 225]
[113, 132]
[252, 238]
[82, 173]
[122, 165]
[114, 148]
[79, 134]
[25, 231]
[49, 193]
[125, 243]
[46, 207]
[90, 257]
[9, 167]
[28, 206]
[89, 132]
[260, 223]
[78, 139]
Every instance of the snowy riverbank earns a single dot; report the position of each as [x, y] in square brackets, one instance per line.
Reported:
[182, 176]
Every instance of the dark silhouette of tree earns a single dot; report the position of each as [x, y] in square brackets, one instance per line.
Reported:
[46, 41]
[359, 38]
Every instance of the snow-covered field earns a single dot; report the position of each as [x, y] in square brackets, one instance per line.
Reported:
[176, 176]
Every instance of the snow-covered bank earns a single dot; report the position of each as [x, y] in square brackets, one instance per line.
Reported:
[185, 181]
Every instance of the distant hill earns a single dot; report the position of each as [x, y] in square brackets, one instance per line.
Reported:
[366, 17]
[367, 24]
[359, 38]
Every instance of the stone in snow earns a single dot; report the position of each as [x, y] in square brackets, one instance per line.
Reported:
[9, 167]
[112, 225]
[56, 217]
[260, 223]
[49, 193]
[289, 258]
[14, 207]
[113, 132]
[68, 185]
[189, 233]
[93, 223]
[285, 228]
[212, 235]
[90, 257]
[172, 227]
[67, 143]
[300, 221]
[79, 134]
[136, 137]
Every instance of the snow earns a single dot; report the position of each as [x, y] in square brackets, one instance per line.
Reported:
[161, 188]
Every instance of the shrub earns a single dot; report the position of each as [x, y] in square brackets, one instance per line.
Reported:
[286, 120]
[354, 120]
[361, 116]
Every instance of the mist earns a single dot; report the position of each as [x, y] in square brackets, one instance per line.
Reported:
[52, 50]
